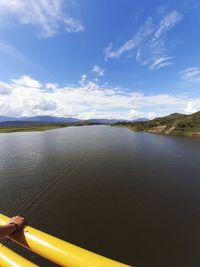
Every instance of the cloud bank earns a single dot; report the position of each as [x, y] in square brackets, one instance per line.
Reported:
[26, 96]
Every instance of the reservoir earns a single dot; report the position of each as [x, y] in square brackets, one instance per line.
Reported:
[130, 196]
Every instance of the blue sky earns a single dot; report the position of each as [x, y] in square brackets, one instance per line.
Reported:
[119, 59]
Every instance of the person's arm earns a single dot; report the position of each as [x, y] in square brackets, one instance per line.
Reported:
[15, 224]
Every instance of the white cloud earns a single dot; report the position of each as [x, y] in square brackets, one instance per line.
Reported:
[146, 30]
[26, 81]
[28, 97]
[193, 106]
[191, 76]
[73, 25]
[160, 62]
[151, 115]
[4, 89]
[47, 15]
[168, 22]
[44, 105]
[134, 114]
[83, 80]
[150, 42]
[98, 70]
[52, 86]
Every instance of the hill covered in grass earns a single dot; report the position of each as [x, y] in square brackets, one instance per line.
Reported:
[174, 124]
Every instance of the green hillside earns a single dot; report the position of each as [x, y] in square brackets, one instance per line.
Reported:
[175, 124]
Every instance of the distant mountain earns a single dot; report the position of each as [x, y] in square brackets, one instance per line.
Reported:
[49, 119]
[175, 124]
[41, 119]
[52, 119]
[103, 121]
[4, 118]
[140, 119]
[21, 123]
[112, 121]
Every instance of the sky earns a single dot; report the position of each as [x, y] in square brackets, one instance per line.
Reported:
[114, 59]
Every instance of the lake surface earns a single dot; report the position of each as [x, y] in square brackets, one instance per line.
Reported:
[133, 197]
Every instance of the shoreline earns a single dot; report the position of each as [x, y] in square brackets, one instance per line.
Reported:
[38, 128]
[43, 128]
[31, 128]
[187, 134]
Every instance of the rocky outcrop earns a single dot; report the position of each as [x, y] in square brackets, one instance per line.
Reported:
[157, 129]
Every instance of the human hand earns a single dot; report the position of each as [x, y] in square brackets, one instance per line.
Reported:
[18, 221]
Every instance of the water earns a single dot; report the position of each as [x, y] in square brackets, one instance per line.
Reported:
[133, 197]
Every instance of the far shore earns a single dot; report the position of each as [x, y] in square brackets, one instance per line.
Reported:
[157, 131]
[40, 127]
[30, 128]
[51, 126]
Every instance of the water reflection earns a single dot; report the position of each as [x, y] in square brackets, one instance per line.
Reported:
[130, 196]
